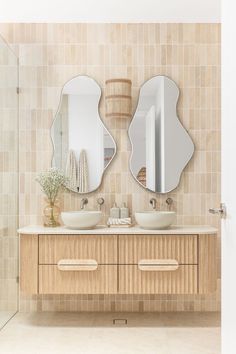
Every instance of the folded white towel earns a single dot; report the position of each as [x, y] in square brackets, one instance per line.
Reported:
[119, 222]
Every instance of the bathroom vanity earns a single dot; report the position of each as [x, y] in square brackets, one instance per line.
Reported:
[178, 260]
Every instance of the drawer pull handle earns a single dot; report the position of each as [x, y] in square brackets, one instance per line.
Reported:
[158, 264]
[77, 264]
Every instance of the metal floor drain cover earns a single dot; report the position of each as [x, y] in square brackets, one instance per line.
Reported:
[120, 321]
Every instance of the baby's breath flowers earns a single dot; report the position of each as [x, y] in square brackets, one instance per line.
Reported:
[51, 182]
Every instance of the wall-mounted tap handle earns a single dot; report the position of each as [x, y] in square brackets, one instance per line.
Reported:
[169, 202]
[83, 202]
[100, 202]
[153, 202]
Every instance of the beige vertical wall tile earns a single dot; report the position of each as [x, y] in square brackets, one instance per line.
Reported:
[8, 177]
[50, 55]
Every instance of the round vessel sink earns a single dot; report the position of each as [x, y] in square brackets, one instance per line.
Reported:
[83, 219]
[154, 220]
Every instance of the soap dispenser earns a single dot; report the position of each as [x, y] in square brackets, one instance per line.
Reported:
[115, 212]
[124, 211]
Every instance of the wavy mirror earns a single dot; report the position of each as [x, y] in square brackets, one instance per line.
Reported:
[83, 147]
[161, 147]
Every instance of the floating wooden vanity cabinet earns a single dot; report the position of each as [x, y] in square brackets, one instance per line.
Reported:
[179, 279]
[118, 261]
[58, 275]
[29, 264]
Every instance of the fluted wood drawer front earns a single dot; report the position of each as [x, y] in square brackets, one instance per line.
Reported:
[53, 248]
[29, 264]
[103, 280]
[182, 248]
[132, 280]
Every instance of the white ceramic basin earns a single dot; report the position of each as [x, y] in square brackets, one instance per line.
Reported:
[84, 219]
[152, 220]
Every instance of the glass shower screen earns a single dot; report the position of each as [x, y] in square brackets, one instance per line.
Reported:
[8, 183]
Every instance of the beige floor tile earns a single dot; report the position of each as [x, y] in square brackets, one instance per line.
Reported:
[94, 333]
[194, 340]
[5, 316]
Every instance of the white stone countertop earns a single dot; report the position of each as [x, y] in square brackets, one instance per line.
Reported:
[104, 230]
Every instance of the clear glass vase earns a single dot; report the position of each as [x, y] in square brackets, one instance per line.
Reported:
[51, 214]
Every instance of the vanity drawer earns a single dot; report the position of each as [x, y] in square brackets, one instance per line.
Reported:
[183, 280]
[182, 248]
[53, 248]
[103, 280]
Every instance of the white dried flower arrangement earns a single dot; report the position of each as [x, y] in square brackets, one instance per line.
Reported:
[51, 182]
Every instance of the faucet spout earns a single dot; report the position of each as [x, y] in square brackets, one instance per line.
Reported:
[83, 202]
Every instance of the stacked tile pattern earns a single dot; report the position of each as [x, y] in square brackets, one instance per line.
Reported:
[50, 55]
[8, 179]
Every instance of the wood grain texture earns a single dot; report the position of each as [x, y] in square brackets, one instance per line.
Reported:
[181, 281]
[101, 248]
[207, 268]
[101, 281]
[133, 248]
[29, 264]
[193, 255]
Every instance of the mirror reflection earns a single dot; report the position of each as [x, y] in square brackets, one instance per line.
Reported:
[83, 147]
[161, 147]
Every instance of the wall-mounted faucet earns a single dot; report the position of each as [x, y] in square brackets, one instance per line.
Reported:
[83, 202]
[100, 202]
[169, 202]
[153, 202]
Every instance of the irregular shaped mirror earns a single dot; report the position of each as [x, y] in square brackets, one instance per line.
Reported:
[161, 147]
[83, 147]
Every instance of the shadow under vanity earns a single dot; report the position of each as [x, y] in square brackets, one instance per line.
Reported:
[132, 260]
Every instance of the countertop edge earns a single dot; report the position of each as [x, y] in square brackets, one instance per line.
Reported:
[104, 230]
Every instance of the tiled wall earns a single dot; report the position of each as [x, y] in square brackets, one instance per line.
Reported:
[51, 54]
[8, 181]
